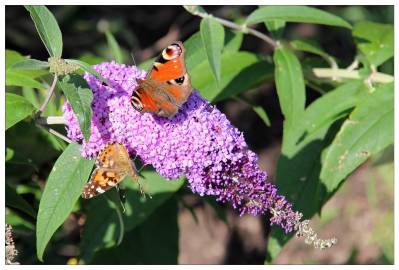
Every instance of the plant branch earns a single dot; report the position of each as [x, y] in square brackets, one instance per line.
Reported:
[54, 132]
[48, 96]
[59, 135]
[242, 28]
[51, 120]
[350, 74]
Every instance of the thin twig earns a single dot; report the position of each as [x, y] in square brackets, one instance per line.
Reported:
[242, 28]
[51, 120]
[48, 96]
[56, 133]
[59, 135]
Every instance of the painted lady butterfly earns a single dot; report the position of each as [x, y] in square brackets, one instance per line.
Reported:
[113, 165]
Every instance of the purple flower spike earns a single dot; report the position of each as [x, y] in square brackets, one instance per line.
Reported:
[199, 142]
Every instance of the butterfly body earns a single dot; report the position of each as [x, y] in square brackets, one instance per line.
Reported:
[167, 85]
[113, 164]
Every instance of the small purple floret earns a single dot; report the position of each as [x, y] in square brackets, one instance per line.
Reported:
[199, 142]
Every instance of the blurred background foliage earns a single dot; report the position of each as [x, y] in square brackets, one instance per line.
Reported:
[364, 204]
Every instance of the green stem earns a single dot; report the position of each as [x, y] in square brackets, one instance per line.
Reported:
[350, 74]
[48, 96]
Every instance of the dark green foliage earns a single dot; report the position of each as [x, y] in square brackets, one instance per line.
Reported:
[326, 135]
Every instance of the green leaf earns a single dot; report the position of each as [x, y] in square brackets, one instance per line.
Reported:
[232, 40]
[259, 110]
[309, 46]
[47, 28]
[156, 241]
[298, 167]
[333, 106]
[375, 41]
[276, 28]
[80, 97]
[18, 221]
[212, 35]
[30, 64]
[194, 9]
[63, 188]
[295, 14]
[31, 96]
[138, 208]
[103, 229]
[13, 199]
[15, 78]
[9, 153]
[114, 47]
[17, 109]
[368, 130]
[86, 67]
[240, 71]
[290, 85]
[195, 52]
[12, 57]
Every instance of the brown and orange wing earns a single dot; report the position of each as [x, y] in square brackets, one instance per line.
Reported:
[169, 70]
[167, 86]
[101, 180]
[169, 65]
[113, 165]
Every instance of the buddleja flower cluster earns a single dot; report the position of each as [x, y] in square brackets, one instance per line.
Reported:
[199, 142]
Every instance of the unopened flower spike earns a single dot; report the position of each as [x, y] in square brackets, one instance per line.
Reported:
[199, 142]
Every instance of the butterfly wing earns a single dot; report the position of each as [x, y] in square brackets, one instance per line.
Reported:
[101, 180]
[113, 165]
[167, 85]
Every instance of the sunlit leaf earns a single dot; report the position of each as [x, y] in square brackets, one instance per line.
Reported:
[30, 64]
[15, 78]
[299, 165]
[80, 97]
[87, 67]
[212, 35]
[375, 41]
[240, 71]
[63, 188]
[295, 14]
[47, 28]
[276, 28]
[232, 40]
[17, 109]
[290, 85]
[368, 130]
[12, 57]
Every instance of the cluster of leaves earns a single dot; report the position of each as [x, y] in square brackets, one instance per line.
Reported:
[323, 142]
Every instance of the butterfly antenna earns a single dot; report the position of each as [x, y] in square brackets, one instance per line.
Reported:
[132, 55]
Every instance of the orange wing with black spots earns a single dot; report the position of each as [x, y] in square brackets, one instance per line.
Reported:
[113, 165]
[167, 86]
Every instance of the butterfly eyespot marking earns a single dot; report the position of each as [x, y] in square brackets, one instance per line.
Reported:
[171, 52]
[180, 80]
[136, 103]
